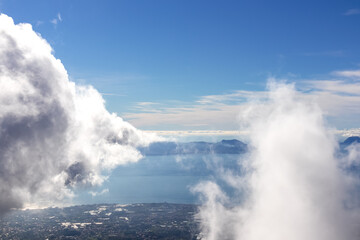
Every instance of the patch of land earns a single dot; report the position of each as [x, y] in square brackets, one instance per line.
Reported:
[103, 221]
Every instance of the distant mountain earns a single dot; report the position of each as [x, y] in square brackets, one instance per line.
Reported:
[223, 147]
[349, 141]
[354, 167]
[175, 148]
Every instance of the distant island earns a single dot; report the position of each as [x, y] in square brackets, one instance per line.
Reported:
[233, 146]
[177, 148]
[349, 141]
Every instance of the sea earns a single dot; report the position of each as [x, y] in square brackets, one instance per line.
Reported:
[158, 179]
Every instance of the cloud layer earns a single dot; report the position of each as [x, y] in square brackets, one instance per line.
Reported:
[292, 187]
[339, 98]
[54, 135]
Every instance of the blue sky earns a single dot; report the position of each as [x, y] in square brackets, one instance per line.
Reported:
[190, 65]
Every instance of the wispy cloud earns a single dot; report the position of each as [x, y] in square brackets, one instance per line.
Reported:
[57, 19]
[38, 23]
[335, 86]
[234, 97]
[353, 11]
[348, 73]
[113, 94]
[94, 194]
[349, 132]
[338, 97]
[207, 112]
[333, 53]
[339, 100]
[147, 103]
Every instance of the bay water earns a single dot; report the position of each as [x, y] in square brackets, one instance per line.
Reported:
[156, 179]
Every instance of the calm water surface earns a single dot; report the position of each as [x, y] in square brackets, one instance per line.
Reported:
[160, 179]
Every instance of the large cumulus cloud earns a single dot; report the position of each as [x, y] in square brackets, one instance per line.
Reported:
[54, 135]
[294, 185]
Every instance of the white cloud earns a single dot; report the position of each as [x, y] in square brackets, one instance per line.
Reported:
[38, 23]
[57, 19]
[349, 132]
[235, 97]
[335, 86]
[339, 99]
[112, 94]
[54, 21]
[94, 194]
[348, 73]
[54, 134]
[184, 118]
[208, 112]
[292, 187]
[353, 11]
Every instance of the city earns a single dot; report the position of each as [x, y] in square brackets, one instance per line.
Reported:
[105, 221]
